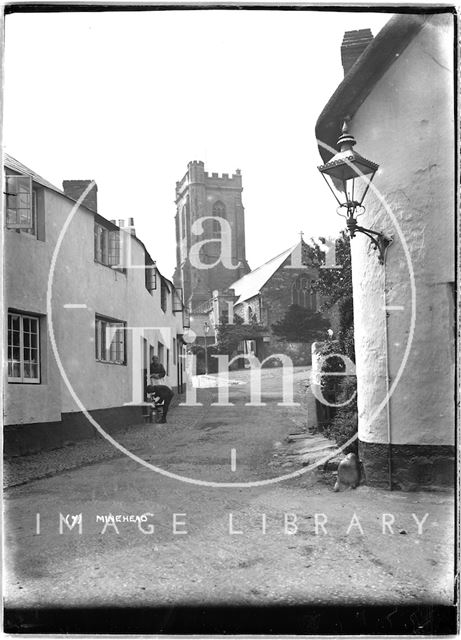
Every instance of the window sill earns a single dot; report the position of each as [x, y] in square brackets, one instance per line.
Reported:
[23, 234]
[117, 364]
[108, 266]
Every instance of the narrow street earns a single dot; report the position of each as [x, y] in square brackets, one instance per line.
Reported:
[246, 545]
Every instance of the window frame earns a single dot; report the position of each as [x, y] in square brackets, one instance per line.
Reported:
[101, 245]
[108, 253]
[164, 291]
[32, 193]
[22, 379]
[176, 300]
[161, 353]
[150, 276]
[102, 350]
[33, 231]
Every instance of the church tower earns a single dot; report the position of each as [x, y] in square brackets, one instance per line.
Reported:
[200, 195]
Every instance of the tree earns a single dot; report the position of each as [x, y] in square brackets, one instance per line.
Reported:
[334, 284]
[301, 325]
[335, 288]
[229, 336]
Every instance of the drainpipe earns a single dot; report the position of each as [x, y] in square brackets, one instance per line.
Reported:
[388, 408]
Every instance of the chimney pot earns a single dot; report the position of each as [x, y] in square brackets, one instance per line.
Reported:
[131, 226]
[354, 44]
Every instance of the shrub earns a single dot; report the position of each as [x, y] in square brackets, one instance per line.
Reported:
[335, 287]
[345, 422]
[300, 325]
[342, 422]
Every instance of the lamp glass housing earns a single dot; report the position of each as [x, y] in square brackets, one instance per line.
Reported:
[350, 174]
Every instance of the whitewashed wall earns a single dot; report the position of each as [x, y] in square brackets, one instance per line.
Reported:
[406, 125]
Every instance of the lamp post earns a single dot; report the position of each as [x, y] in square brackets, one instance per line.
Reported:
[206, 328]
[351, 174]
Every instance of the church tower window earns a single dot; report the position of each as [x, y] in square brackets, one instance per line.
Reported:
[183, 221]
[219, 209]
[216, 229]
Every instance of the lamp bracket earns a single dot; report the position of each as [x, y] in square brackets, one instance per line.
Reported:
[379, 241]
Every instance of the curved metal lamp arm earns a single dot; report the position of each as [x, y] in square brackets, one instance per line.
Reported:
[379, 241]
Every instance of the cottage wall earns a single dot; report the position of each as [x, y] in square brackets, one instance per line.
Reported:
[48, 413]
[404, 312]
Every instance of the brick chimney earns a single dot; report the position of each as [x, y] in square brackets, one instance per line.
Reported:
[75, 188]
[354, 44]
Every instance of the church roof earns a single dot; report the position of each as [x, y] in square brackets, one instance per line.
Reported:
[251, 284]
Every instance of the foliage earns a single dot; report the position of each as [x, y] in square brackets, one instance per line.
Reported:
[346, 341]
[300, 325]
[337, 390]
[334, 285]
[344, 424]
[335, 288]
[229, 336]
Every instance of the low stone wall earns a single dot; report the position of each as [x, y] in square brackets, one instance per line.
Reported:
[299, 352]
[413, 467]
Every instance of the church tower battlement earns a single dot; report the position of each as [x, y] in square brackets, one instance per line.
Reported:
[200, 194]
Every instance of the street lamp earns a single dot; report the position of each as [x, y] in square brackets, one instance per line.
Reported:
[206, 328]
[351, 174]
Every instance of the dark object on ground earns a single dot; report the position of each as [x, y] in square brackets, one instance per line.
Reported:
[348, 473]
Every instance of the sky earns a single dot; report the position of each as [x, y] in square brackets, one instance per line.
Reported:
[128, 99]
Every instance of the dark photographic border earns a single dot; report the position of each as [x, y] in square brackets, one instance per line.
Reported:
[277, 620]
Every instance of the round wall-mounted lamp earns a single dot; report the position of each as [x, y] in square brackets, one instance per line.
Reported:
[350, 174]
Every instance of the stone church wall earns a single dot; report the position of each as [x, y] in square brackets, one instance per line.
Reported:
[276, 297]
